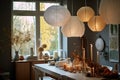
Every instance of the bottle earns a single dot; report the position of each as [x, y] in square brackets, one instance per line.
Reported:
[31, 52]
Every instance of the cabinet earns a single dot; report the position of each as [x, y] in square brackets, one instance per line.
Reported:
[24, 70]
[32, 71]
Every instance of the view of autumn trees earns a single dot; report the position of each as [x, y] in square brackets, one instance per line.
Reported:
[26, 24]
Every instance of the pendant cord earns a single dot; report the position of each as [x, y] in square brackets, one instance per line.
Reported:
[85, 3]
[97, 8]
[72, 8]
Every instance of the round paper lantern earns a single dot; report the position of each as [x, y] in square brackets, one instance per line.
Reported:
[85, 13]
[74, 28]
[97, 23]
[57, 15]
[110, 11]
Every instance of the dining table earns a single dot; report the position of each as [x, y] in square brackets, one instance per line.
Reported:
[60, 74]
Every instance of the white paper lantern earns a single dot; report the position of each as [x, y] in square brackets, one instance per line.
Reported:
[85, 13]
[74, 28]
[110, 11]
[97, 23]
[57, 15]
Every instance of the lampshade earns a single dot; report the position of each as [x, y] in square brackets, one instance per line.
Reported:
[97, 23]
[57, 15]
[74, 28]
[110, 11]
[85, 13]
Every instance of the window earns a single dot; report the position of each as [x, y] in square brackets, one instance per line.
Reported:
[49, 35]
[29, 6]
[24, 33]
[31, 30]
[44, 6]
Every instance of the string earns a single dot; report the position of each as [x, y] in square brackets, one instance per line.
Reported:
[71, 17]
[97, 8]
[72, 7]
[85, 3]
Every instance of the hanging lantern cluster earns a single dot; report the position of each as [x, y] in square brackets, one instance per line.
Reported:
[74, 26]
[60, 16]
[87, 14]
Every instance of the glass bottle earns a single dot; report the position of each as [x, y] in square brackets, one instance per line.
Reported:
[31, 52]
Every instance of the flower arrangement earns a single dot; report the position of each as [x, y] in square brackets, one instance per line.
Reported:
[19, 39]
[40, 50]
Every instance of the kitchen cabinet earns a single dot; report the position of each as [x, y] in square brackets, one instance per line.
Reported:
[24, 69]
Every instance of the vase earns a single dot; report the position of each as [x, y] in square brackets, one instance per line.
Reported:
[16, 57]
[31, 52]
[40, 55]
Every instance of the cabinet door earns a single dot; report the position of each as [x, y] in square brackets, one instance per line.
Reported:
[32, 71]
[22, 71]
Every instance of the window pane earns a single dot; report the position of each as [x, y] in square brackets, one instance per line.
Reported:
[24, 6]
[48, 35]
[23, 37]
[44, 6]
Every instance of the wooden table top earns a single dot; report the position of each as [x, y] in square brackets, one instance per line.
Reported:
[53, 70]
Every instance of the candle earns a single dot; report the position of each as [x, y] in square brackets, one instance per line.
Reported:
[91, 52]
[97, 57]
[84, 67]
[92, 71]
[83, 53]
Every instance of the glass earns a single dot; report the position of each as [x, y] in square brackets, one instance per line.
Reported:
[29, 6]
[44, 6]
[48, 35]
[23, 34]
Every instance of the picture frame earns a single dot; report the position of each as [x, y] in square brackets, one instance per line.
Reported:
[114, 43]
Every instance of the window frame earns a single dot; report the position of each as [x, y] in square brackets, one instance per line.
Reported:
[37, 13]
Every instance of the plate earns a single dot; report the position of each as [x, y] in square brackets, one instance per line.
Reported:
[99, 44]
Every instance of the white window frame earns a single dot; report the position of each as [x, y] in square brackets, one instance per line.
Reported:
[37, 14]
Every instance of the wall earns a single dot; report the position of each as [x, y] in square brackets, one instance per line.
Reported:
[5, 32]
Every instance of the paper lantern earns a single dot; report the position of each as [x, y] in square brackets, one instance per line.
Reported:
[110, 11]
[57, 15]
[85, 13]
[97, 23]
[74, 28]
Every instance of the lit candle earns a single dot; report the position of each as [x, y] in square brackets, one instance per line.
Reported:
[91, 52]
